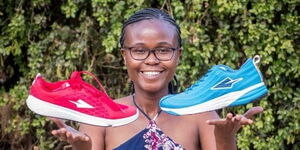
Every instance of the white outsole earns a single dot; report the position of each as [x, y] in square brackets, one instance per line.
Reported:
[217, 103]
[47, 109]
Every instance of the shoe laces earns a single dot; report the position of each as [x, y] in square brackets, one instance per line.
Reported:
[113, 105]
[198, 82]
[80, 85]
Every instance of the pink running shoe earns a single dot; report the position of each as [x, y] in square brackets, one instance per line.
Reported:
[76, 100]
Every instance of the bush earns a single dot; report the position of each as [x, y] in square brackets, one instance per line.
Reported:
[58, 37]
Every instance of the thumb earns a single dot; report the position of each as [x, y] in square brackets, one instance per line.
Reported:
[60, 123]
[252, 111]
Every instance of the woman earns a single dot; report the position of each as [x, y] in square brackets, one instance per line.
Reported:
[151, 48]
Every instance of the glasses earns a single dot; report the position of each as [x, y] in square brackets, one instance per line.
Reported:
[161, 53]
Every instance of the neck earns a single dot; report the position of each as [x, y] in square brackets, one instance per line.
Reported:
[149, 102]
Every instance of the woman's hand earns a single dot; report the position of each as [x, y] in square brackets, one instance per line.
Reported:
[67, 133]
[231, 124]
[226, 128]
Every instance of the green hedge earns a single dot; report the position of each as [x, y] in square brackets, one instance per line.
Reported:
[58, 37]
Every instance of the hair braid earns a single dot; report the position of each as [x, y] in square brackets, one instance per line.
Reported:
[147, 14]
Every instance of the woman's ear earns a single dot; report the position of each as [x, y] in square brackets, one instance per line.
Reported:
[179, 52]
[123, 53]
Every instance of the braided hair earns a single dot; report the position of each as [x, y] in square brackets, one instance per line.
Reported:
[147, 14]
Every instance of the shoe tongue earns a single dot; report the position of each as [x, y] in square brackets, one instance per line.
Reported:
[76, 76]
[76, 80]
[249, 60]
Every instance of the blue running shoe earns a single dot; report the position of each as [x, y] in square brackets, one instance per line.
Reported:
[220, 87]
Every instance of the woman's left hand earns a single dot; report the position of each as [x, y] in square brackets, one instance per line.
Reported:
[230, 125]
[226, 128]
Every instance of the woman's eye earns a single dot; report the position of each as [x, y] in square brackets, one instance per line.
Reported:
[139, 51]
[164, 50]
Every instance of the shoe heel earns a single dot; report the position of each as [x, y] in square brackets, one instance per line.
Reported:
[251, 96]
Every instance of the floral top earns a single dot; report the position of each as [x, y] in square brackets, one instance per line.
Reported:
[151, 138]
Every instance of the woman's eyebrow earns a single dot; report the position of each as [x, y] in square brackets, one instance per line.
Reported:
[158, 44]
[164, 43]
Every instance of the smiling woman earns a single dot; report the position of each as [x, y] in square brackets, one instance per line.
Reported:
[151, 49]
[151, 72]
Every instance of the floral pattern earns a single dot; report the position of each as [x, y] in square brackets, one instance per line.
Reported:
[155, 139]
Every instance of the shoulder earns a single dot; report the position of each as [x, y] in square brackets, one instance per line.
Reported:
[207, 115]
[203, 117]
[193, 126]
[199, 120]
[97, 133]
[196, 121]
[205, 131]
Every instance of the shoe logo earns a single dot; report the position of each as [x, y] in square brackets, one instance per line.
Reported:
[67, 85]
[81, 104]
[227, 83]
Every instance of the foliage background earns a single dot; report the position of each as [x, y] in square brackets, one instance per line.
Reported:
[56, 37]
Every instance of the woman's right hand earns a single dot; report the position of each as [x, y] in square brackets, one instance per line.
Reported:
[69, 134]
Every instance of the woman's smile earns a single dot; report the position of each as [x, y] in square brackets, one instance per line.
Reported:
[151, 74]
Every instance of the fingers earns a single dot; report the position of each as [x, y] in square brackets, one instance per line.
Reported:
[64, 135]
[242, 120]
[60, 133]
[216, 122]
[228, 118]
[252, 111]
[67, 133]
[77, 137]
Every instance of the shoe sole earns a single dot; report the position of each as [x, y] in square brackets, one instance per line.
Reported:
[47, 109]
[231, 99]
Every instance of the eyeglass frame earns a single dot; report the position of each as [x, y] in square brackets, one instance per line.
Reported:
[151, 51]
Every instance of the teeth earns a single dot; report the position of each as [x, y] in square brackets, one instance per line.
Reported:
[151, 73]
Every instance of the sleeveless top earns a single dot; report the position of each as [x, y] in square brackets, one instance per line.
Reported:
[150, 138]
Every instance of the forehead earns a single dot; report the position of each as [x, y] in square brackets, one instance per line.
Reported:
[150, 32]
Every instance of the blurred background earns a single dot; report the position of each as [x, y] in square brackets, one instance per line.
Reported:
[57, 37]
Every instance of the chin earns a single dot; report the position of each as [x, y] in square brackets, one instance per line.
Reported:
[153, 88]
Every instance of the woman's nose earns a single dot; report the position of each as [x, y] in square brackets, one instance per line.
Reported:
[152, 59]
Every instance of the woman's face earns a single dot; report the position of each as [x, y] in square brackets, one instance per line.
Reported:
[151, 74]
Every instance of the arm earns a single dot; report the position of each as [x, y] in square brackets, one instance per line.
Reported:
[96, 134]
[226, 140]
